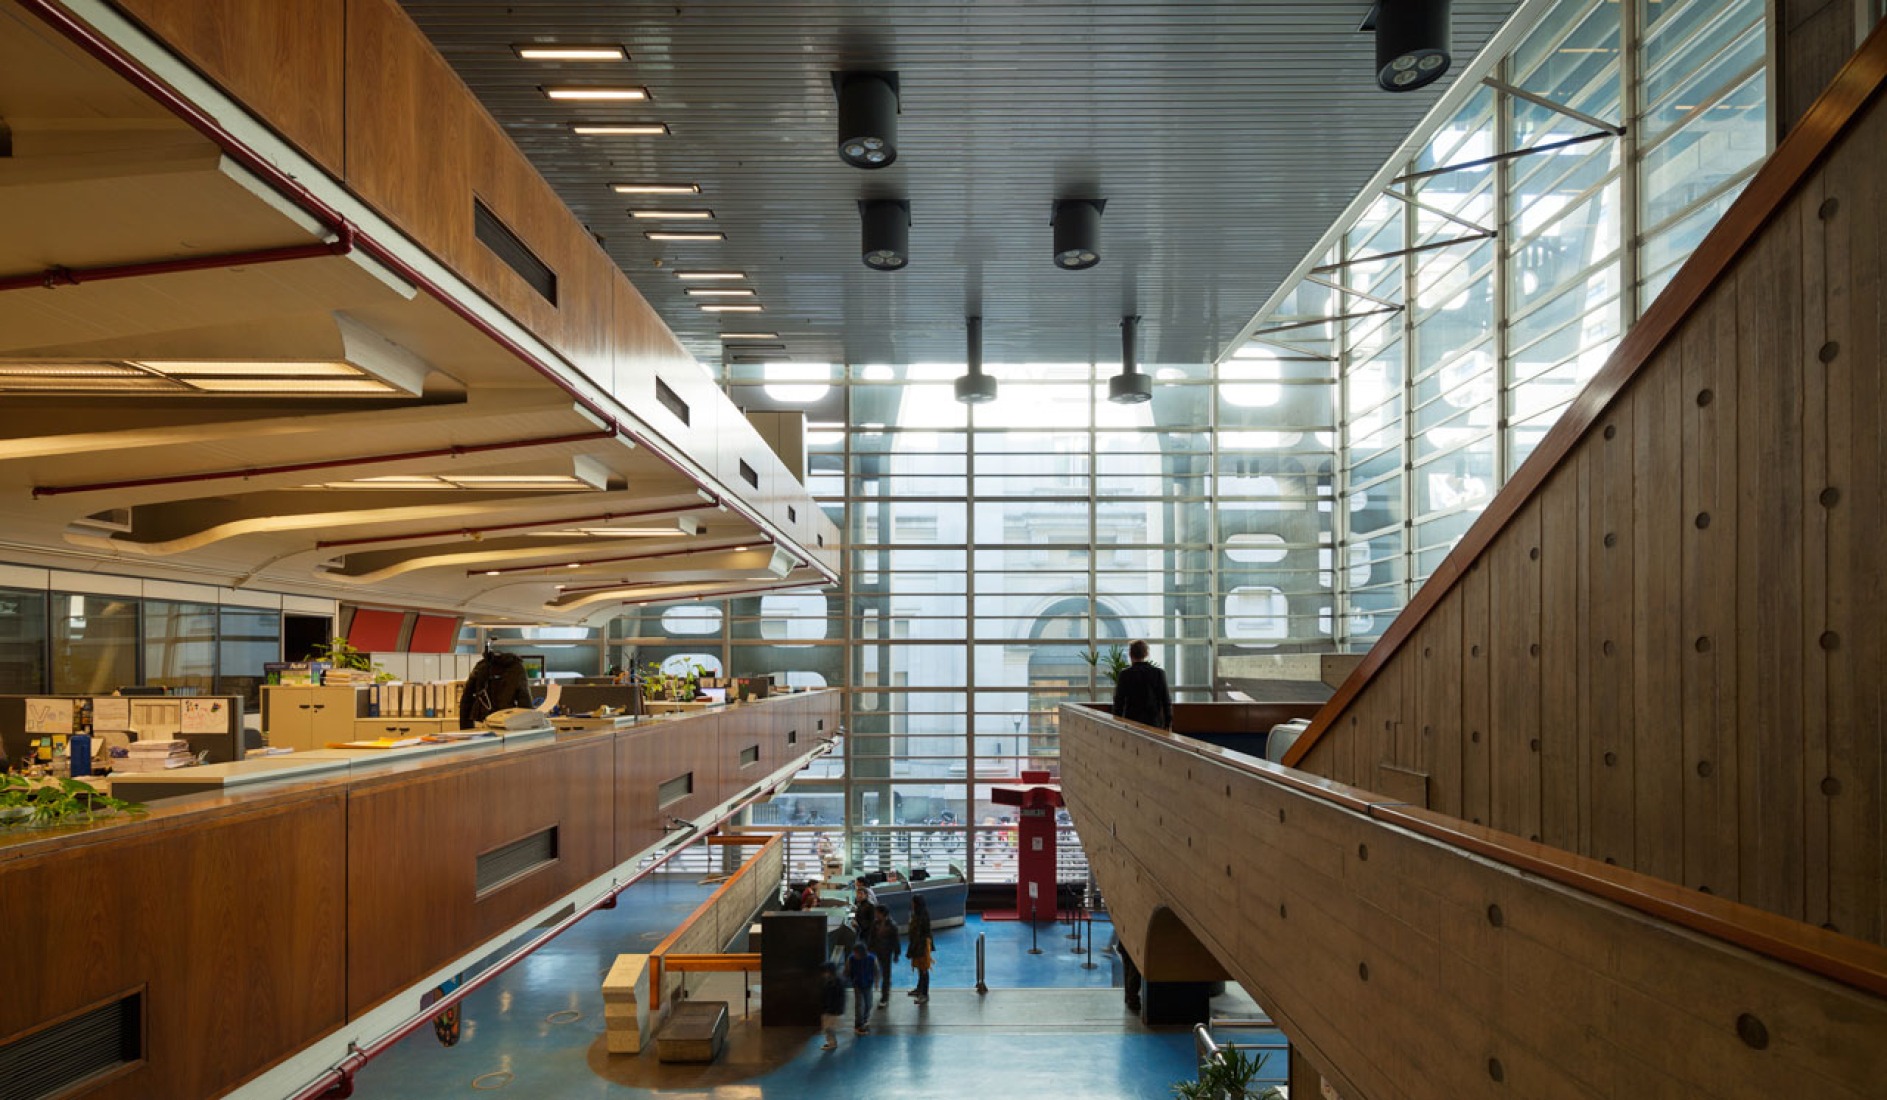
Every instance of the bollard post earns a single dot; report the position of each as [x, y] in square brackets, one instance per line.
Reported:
[1090, 963]
[1034, 949]
[1078, 949]
[981, 985]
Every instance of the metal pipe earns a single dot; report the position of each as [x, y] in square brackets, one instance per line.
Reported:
[55, 277]
[324, 464]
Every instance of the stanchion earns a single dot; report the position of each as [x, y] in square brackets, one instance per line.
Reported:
[1090, 963]
[1033, 928]
[1078, 949]
[981, 985]
[1074, 917]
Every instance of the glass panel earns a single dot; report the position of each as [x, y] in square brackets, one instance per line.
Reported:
[94, 643]
[247, 639]
[22, 641]
[180, 646]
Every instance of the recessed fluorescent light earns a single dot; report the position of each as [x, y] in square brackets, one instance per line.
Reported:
[719, 292]
[656, 188]
[200, 368]
[730, 309]
[704, 276]
[291, 385]
[619, 129]
[674, 236]
[674, 215]
[750, 336]
[598, 93]
[571, 53]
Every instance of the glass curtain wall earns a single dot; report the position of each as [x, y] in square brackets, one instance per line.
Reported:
[1484, 291]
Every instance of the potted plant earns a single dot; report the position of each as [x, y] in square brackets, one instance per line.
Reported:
[1113, 662]
[1228, 1076]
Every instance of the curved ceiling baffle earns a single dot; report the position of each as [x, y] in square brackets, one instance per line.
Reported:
[221, 366]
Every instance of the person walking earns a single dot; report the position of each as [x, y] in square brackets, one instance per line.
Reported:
[862, 970]
[831, 1003]
[885, 945]
[919, 948]
[1141, 695]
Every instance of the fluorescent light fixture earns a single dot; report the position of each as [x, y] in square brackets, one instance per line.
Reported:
[598, 93]
[750, 336]
[491, 572]
[676, 236]
[463, 482]
[571, 53]
[67, 370]
[656, 188]
[674, 215]
[184, 368]
[619, 129]
[719, 292]
[730, 309]
[707, 276]
[292, 385]
[610, 533]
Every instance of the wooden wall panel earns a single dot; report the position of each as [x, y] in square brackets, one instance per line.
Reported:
[1410, 968]
[284, 59]
[233, 925]
[413, 844]
[1706, 704]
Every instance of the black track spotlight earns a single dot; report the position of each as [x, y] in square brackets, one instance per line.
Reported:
[975, 388]
[1129, 387]
[1077, 224]
[1412, 43]
[868, 118]
[885, 232]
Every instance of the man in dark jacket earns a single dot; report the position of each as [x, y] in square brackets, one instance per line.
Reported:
[496, 683]
[886, 946]
[1140, 695]
[862, 969]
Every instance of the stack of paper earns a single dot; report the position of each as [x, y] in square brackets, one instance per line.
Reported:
[152, 756]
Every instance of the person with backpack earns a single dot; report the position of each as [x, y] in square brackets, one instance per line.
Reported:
[862, 969]
[497, 682]
[920, 948]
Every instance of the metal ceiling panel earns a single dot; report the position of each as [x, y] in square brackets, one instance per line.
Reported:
[1225, 136]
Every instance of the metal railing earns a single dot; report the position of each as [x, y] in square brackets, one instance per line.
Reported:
[1207, 1050]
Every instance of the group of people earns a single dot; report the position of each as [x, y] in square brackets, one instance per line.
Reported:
[875, 945]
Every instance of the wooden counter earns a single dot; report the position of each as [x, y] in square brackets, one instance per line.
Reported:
[255, 920]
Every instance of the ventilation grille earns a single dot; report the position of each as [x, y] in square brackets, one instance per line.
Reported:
[501, 866]
[671, 401]
[792, 737]
[55, 1060]
[792, 514]
[748, 475]
[505, 245]
[750, 755]
[675, 790]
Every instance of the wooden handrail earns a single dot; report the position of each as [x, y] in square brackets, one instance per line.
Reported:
[658, 957]
[1855, 963]
[1805, 147]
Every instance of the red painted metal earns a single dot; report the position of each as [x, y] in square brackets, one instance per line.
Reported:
[323, 464]
[55, 277]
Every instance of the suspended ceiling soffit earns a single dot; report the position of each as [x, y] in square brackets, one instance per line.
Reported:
[1226, 137]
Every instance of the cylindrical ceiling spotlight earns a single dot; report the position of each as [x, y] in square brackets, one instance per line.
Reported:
[975, 388]
[1129, 387]
[868, 118]
[1077, 224]
[885, 231]
[1412, 43]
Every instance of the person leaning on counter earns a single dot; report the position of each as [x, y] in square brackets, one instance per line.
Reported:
[497, 682]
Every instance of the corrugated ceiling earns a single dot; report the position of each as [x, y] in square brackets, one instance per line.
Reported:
[1225, 136]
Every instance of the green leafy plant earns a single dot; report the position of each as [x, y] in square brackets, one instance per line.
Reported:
[1112, 663]
[30, 802]
[1227, 1077]
[340, 653]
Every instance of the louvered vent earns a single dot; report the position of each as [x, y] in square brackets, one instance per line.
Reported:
[671, 400]
[55, 1061]
[503, 865]
[675, 790]
[792, 737]
[750, 755]
[505, 245]
[748, 475]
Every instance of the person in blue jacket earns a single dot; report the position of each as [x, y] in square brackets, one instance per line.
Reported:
[862, 970]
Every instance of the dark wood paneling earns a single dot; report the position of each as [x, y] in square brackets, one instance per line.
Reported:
[283, 59]
[233, 924]
[413, 845]
[1698, 555]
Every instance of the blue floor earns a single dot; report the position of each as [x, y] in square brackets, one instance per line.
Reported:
[1047, 1026]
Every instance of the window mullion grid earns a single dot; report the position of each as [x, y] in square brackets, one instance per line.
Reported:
[1407, 319]
[1630, 244]
[1503, 274]
[1340, 506]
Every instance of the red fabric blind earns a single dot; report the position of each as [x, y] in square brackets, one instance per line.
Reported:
[434, 634]
[375, 631]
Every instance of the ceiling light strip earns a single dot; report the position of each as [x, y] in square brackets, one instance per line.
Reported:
[549, 51]
[565, 562]
[475, 532]
[324, 464]
[596, 93]
[619, 129]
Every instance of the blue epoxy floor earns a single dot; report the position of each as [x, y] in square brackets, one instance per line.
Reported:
[1047, 1027]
